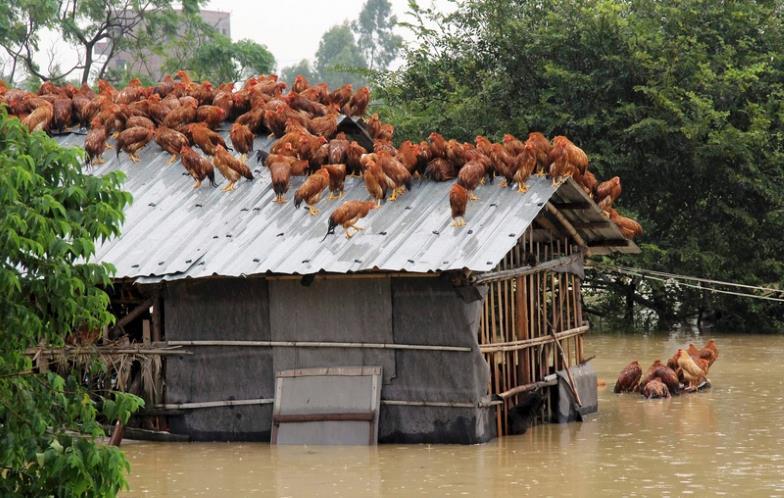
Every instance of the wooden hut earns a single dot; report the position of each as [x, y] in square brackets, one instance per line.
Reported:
[228, 289]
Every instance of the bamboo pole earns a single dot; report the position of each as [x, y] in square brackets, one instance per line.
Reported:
[307, 344]
[566, 224]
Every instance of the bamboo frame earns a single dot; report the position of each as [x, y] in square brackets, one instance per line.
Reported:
[531, 323]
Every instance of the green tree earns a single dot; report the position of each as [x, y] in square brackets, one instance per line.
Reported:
[682, 100]
[376, 37]
[338, 58]
[123, 25]
[207, 54]
[20, 26]
[303, 67]
[51, 214]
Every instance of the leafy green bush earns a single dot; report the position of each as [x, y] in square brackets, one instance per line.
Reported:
[51, 215]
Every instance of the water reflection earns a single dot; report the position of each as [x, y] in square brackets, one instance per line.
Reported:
[725, 441]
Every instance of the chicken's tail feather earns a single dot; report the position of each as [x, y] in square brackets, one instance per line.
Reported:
[330, 229]
[261, 155]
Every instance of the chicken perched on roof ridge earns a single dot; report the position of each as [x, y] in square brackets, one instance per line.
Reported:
[305, 120]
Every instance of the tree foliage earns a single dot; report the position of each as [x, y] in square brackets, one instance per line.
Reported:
[207, 54]
[303, 67]
[123, 25]
[338, 59]
[51, 215]
[682, 100]
[376, 37]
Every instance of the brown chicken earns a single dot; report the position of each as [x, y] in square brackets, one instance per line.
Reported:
[337, 176]
[628, 378]
[140, 121]
[470, 176]
[610, 188]
[180, 116]
[300, 103]
[691, 371]
[649, 374]
[41, 117]
[310, 191]
[206, 139]
[223, 98]
[326, 126]
[525, 163]
[396, 172]
[358, 103]
[589, 182]
[458, 200]
[503, 163]
[280, 173]
[172, 141]
[131, 140]
[318, 93]
[566, 159]
[710, 352]
[655, 388]
[438, 146]
[513, 145]
[300, 84]
[275, 120]
[198, 166]
[374, 177]
[231, 168]
[629, 228]
[669, 377]
[353, 155]
[211, 115]
[440, 170]
[342, 95]
[347, 216]
[542, 147]
[62, 109]
[95, 145]
[241, 139]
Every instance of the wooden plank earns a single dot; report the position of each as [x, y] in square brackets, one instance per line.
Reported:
[323, 417]
[157, 320]
[146, 334]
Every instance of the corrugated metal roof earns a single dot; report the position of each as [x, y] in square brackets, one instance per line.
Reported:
[172, 231]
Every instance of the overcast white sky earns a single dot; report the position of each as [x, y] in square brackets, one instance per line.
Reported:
[291, 30]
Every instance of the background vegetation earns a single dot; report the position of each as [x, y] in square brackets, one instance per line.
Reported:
[681, 99]
[51, 214]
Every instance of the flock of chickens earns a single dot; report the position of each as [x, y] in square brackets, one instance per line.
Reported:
[181, 115]
[685, 371]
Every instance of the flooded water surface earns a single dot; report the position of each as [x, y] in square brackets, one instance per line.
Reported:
[728, 440]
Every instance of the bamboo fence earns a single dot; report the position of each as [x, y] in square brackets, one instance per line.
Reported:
[531, 325]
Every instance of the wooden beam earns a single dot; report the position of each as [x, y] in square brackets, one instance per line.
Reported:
[565, 223]
[523, 270]
[592, 224]
[609, 243]
[575, 206]
[132, 315]
[527, 387]
[306, 344]
[324, 417]
[535, 341]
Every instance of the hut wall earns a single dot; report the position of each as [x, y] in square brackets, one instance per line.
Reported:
[379, 310]
[235, 309]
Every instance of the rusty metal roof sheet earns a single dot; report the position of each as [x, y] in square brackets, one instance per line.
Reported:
[172, 231]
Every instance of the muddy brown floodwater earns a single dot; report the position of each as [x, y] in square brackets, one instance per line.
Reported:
[726, 441]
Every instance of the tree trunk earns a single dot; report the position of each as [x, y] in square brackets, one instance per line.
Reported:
[630, 291]
[88, 62]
